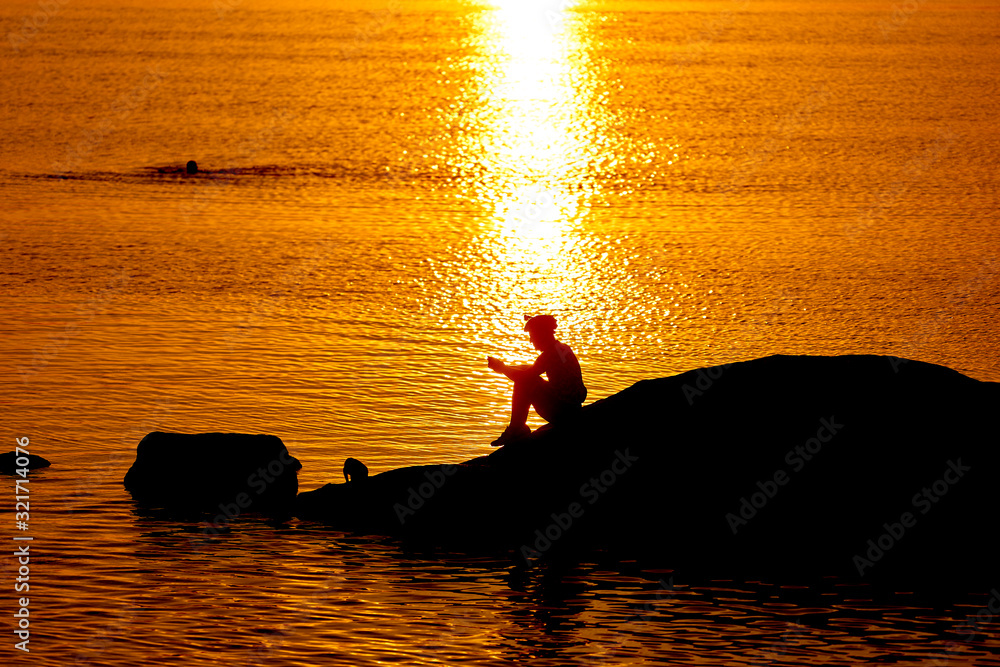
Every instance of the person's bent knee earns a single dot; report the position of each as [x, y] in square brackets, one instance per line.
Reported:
[532, 384]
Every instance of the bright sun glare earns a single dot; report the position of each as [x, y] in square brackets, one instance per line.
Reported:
[533, 140]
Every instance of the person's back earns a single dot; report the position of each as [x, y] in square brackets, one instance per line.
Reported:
[562, 369]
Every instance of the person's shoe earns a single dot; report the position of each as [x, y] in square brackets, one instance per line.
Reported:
[511, 434]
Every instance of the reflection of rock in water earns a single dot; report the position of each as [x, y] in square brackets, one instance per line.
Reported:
[856, 465]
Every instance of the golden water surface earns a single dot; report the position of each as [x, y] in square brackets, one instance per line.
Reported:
[386, 189]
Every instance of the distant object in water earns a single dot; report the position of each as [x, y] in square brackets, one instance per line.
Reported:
[355, 470]
[9, 465]
[192, 167]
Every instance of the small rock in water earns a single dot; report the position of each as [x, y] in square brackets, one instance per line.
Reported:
[9, 465]
[228, 472]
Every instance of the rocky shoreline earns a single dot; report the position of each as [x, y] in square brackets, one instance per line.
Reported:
[864, 467]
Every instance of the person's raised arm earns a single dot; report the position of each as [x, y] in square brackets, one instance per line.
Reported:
[516, 373]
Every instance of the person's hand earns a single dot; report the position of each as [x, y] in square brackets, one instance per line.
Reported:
[494, 364]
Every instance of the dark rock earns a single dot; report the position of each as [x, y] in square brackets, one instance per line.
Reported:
[228, 472]
[355, 470]
[863, 467]
[8, 462]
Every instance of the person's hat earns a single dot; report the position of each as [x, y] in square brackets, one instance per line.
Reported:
[540, 323]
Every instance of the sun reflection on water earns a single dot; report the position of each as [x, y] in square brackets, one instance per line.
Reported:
[532, 150]
[532, 131]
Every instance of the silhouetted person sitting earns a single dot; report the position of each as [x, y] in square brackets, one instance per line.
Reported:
[554, 399]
